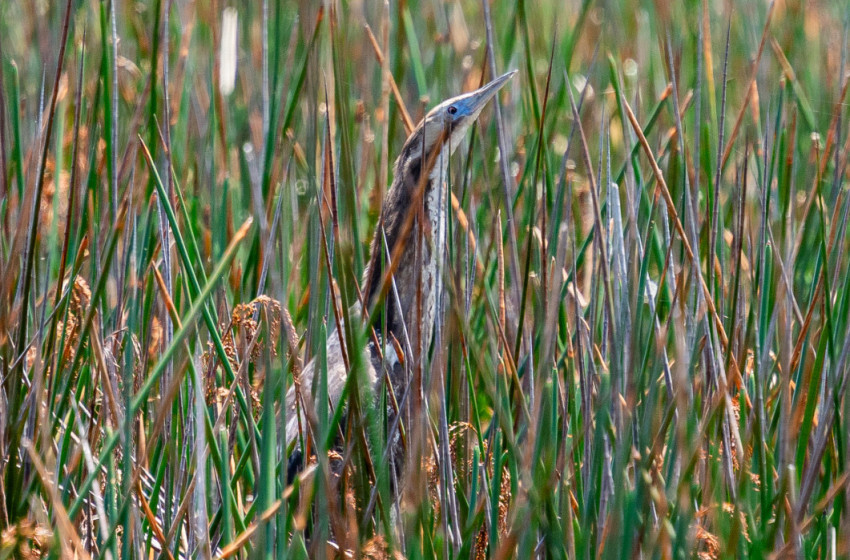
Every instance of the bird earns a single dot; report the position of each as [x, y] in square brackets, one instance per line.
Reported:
[409, 243]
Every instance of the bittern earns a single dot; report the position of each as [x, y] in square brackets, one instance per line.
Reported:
[409, 242]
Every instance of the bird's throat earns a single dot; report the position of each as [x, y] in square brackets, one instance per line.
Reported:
[433, 250]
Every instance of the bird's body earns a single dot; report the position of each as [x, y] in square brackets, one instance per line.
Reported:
[410, 241]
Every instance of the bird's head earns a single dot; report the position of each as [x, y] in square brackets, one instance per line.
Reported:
[445, 125]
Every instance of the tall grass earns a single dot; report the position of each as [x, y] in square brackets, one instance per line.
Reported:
[643, 343]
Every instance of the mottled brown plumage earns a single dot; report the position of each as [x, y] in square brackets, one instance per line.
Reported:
[408, 246]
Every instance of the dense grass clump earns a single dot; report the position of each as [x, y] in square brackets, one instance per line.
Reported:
[643, 345]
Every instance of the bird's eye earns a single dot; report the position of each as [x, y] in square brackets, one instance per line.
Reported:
[452, 109]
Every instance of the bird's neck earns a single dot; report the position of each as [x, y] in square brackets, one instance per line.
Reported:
[433, 248]
[418, 254]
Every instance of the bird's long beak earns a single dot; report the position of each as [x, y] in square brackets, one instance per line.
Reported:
[471, 104]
